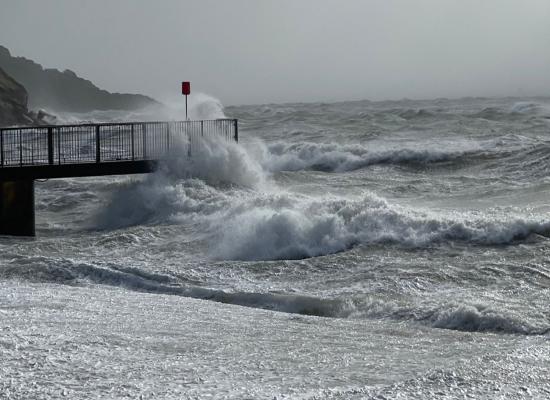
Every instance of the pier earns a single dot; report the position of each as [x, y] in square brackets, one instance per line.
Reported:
[66, 151]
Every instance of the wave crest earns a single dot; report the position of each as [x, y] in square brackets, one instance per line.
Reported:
[334, 157]
[321, 228]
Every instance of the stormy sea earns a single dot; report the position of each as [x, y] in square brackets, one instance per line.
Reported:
[353, 250]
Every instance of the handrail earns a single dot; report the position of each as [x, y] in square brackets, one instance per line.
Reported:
[105, 142]
[88, 124]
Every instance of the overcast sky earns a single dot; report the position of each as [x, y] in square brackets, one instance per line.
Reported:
[259, 51]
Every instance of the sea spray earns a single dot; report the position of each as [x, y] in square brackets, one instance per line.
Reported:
[183, 187]
[214, 160]
[201, 107]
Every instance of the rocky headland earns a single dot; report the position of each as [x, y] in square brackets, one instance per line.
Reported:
[64, 91]
[13, 104]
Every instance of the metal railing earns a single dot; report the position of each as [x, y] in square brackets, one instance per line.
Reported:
[97, 143]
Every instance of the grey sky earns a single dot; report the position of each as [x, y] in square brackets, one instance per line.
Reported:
[256, 51]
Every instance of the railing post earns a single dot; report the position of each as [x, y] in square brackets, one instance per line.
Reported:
[236, 127]
[1, 147]
[59, 146]
[97, 145]
[132, 133]
[167, 136]
[20, 148]
[144, 134]
[202, 128]
[50, 145]
[189, 133]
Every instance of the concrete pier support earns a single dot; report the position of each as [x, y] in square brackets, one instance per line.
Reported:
[17, 208]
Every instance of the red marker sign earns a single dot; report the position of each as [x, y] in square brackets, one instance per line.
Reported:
[186, 91]
[186, 88]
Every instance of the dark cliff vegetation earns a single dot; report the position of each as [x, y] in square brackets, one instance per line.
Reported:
[65, 91]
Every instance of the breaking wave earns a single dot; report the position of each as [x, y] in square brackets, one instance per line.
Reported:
[245, 224]
[528, 107]
[521, 110]
[326, 227]
[334, 157]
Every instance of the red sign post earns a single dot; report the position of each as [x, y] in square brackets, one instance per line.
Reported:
[186, 91]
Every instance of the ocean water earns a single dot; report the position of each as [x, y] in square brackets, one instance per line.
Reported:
[377, 250]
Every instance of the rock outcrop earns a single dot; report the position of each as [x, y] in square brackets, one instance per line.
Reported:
[65, 91]
[13, 102]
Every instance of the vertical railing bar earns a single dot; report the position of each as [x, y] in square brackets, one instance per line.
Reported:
[167, 137]
[144, 144]
[2, 147]
[97, 145]
[32, 149]
[20, 149]
[121, 142]
[59, 146]
[132, 140]
[188, 134]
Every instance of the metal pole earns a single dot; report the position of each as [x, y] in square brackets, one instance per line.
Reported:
[236, 130]
[187, 119]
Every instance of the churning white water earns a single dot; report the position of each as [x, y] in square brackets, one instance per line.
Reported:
[349, 250]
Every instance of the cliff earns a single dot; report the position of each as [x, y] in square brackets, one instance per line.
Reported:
[13, 102]
[65, 91]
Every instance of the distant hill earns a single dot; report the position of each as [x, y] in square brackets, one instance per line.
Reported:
[65, 91]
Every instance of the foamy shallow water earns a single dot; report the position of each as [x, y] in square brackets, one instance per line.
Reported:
[352, 250]
[93, 342]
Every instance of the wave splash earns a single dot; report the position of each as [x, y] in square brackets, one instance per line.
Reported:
[201, 106]
[183, 186]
